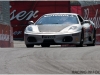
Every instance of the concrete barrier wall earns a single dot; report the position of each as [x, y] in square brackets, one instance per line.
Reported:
[6, 37]
[6, 31]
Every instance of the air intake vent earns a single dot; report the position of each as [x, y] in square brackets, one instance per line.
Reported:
[67, 39]
[31, 39]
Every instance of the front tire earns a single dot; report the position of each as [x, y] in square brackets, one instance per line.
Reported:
[45, 45]
[29, 45]
[81, 40]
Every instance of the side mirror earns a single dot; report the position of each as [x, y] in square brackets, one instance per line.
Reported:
[86, 21]
[30, 22]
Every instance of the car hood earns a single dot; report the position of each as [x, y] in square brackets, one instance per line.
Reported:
[51, 28]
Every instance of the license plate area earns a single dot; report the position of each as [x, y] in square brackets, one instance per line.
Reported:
[48, 36]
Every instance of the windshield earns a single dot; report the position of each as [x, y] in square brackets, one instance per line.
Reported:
[57, 19]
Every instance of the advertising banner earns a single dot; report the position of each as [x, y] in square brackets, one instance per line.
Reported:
[92, 12]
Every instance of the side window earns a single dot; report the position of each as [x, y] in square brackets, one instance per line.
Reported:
[80, 19]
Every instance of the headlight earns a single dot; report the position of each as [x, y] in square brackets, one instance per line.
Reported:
[73, 28]
[28, 29]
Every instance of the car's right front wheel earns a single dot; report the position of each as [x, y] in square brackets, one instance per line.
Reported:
[81, 40]
[29, 45]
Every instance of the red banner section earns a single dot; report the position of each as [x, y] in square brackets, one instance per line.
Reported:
[23, 11]
[76, 9]
[6, 37]
[93, 13]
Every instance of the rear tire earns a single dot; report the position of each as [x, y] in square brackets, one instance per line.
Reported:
[29, 45]
[45, 45]
[81, 40]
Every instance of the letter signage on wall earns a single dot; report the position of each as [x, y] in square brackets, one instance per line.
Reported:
[93, 13]
[23, 15]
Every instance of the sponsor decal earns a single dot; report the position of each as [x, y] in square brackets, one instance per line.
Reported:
[23, 15]
[4, 37]
[95, 19]
[17, 32]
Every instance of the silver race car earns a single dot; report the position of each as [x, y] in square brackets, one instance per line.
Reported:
[59, 29]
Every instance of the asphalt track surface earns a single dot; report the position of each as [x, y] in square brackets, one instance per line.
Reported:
[53, 60]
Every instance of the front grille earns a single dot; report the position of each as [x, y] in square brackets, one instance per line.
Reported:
[31, 39]
[50, 41]
[67, 39]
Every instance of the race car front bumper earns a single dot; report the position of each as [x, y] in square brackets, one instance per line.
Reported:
[52, 38]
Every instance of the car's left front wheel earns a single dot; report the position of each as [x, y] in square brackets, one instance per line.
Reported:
[29, 45]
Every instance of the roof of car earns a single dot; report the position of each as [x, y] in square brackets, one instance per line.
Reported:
[61, 14]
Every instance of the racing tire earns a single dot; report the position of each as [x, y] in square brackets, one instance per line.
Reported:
[94, 39]
[29, 45]
[81, 40]
[45, 45]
